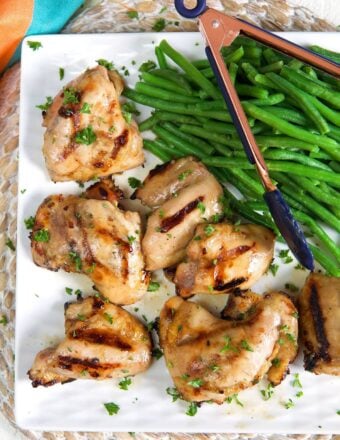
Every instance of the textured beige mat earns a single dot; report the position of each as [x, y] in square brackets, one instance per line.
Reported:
[107, 16]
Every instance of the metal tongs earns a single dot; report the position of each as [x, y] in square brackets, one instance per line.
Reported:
[220, 30]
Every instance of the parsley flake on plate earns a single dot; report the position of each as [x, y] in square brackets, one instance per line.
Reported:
[153, 286]
[174, 393]
[105, 63]
[192, 409]
[132, 14]
[34, 45]
[111, 408]
[61, 73]
[9, 243]
[147, 66]
[125, 383]
[46, 105]
[134, 183]
[159, 25]
[29, 222]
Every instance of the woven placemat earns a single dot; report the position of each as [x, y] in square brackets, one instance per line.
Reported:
[99, 17]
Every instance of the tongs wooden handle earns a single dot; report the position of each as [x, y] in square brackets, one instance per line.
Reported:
[220, 30]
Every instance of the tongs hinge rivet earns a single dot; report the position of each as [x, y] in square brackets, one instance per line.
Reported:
[215, 24]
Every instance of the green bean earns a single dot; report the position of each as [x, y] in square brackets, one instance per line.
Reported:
[285, 167]
[189, 69]
[232, 57]
[274, 67]
[316, 191]
[233, 68]
[319, 155]
[154, 149]
[285, 142]
[161, 58]
[212, 105]
[203, 133]
[175, 117]
[330, 114]
[250, 72]
[329, 145]
[331, 267]
[175, 107]
[148, 123]
[287, 114]
[295, 64]
[273, 99]
[329, 79]
[302, 101]
[309, 203]
[241, 40]
[203, 146]
[182, 145]
[175, 77]
[295, 157]
[166, 95]
[334, 56]
[311, 86]
[335, 166]
[217, 127]
[314, 78]
[163, 83]
[254, 91]
[201, 64]
[334, 132]
[271, 56]
[310, 72]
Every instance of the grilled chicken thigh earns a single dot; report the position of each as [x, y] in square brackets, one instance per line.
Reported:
[102, 341]
[86, 134]
[92, 235]
[213, 358]
[183, 194]
[319, 306]
[221, 257]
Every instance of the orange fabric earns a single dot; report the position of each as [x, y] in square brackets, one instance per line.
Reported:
[15, 19]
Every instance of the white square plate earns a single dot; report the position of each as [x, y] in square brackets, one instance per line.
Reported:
[41, 294]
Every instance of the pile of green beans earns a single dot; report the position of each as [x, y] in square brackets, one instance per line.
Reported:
[293, 111]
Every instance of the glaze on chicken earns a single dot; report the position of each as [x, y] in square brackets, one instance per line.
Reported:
[86, 134]
[319, 306]
[90, 234]
[222, 257]
[102, 341]
[183, 194]
[210, 358]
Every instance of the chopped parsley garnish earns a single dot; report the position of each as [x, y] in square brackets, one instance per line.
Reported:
[157, 353]
[268, 392]
[43, 236]
[150, 324]
[295, 315]
[131, 239]
[276, 362]
[296, 381]
[174, 393]
[245, 345]
[289, 404]
[86, 108]
[68, 290]
[112, 129]
[228, 346]
[81, 317]
[163, 9]
[147, 66]
[159, 25]
[29, 222]
[273, 269]
[201, 207]
[234, 397]
[23, 191]
[108, 317]
[215, 218]
[4, 320]
[83, 372]
[185, 376]
[71, 96]
[86, 136]
[209, 229]
[125, 383]
[211, 288]
[338, 412]
[299, 394]
[91, 268]
[161, 213]
[184, 175]
[61, 73]
[299, 267]
[47, 104]
[197, 238]
[132, 14]
[34, 45]
[214, 368]
[9, 244]
[192, 409]
[108, 64]
[195, 383]
[75, 257]
[111, 408]
[291, 287]
[134, 183]
[153, 286]
[284, 255]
